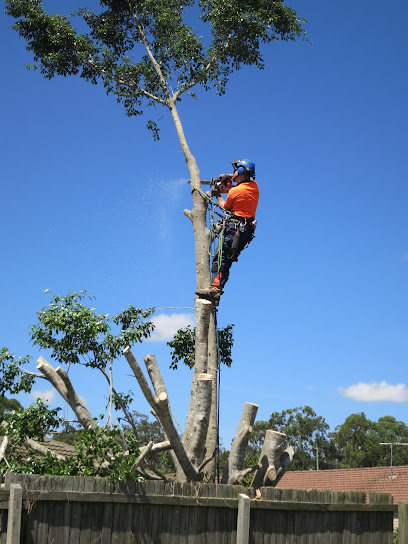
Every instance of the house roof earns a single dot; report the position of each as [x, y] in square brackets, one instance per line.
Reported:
[369, 480]
[59, 447]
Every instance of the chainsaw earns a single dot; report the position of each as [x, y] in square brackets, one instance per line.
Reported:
[221, 184]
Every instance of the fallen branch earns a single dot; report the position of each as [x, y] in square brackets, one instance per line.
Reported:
[139, 460]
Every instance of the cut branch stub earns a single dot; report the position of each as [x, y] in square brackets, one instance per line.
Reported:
[160, 404]
[59, 379]
[273, 461]
[234, 469]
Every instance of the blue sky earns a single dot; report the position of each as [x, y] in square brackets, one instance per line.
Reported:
[319, 300]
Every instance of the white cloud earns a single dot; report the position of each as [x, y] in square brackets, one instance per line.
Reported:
[376, 392]
[167, 325]
[45, 395]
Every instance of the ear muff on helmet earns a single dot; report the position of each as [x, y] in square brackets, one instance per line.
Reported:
[244, 166]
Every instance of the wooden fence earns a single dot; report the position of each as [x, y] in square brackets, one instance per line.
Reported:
[73, 510]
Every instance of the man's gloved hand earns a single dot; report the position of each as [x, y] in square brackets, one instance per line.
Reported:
[222, 185]
[224, 179]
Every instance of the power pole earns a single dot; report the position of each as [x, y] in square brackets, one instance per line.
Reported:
[393, 444]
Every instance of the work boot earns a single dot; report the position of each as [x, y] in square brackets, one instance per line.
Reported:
[211, 293]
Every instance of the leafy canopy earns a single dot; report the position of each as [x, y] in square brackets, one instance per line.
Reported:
[75, 333]
[144, 52]
[183, 346]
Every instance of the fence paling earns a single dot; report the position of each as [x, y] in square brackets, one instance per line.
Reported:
[87, 509]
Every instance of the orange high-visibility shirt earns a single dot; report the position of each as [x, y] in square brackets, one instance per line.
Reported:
[243, 199]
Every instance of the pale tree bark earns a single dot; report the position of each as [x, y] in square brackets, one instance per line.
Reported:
[3, 447]
[273, 461]
[233, 472]
[43, 449]
[211, 443]
[201, 389]
[61, 382]
[160, 404]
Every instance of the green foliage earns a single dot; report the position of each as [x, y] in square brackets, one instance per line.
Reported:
[173, 56]
[7, 405]
[354, 444]
[306, 431]
[110, 453]
[183, 346]
[13, 377]
[76, 334]
[357, 441]
[34, 422]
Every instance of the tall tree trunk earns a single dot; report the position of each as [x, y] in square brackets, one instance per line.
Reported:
[208, 403]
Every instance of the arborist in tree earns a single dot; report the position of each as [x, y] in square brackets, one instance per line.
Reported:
[237, 229]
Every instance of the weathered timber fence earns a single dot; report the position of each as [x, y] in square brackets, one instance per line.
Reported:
[73, 510]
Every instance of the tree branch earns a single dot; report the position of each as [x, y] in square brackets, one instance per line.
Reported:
[156, 65]
[3, 448]
[160, 405]
[60, 381]
[236, 458]
[207, 69]
[131, 84]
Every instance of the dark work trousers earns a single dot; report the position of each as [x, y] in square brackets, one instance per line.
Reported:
[228, 255]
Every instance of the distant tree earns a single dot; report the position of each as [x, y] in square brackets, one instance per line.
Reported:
[6, 405]
[388, 429]
[309, 435]
[357, 441]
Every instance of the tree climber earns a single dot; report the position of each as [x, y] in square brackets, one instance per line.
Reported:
[239, 222]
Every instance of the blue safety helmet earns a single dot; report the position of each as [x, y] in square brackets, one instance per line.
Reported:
[244, 166]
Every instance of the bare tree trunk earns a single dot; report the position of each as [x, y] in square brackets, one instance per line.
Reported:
[200, 397]
[273, 461]
[212, 434]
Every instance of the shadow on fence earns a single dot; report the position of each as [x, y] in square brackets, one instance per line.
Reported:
[74, 510]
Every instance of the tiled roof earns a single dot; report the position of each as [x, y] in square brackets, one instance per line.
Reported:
[369, 480]
[59, 447]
